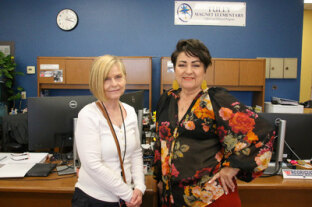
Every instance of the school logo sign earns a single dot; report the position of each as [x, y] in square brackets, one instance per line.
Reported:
[184, 12]
[210, 13]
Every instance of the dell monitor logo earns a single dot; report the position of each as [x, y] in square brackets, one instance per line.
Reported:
[73, 104]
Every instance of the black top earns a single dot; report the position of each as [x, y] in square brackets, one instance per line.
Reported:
[216, 131]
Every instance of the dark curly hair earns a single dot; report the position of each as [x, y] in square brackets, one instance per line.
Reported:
[194, 48]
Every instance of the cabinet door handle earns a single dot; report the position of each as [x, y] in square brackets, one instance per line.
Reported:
[272, 68]
[286, 68]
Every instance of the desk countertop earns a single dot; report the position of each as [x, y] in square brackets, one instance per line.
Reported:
[52, 184]
[66, 183]
[276, 182]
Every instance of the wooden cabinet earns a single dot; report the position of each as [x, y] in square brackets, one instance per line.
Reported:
[232, 74]
[74, 72]
[251, 73]
[210, 74]
[78, 71]
[226, 72]
[136, 75]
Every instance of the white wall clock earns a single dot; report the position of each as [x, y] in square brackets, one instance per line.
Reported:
[67, 19]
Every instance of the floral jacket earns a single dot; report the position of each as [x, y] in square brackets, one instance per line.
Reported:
[216, 131]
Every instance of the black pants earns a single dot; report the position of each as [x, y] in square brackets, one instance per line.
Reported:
[81, 199]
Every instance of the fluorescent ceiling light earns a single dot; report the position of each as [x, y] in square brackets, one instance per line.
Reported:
[308, 1]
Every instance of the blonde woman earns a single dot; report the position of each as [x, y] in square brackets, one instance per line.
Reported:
[100, 182]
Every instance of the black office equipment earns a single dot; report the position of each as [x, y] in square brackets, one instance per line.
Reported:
[298, 134]
[40, 170]
[14, 133]
[50, 119]
[134, 99]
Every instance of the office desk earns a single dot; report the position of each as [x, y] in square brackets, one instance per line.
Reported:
[275, 191]
[52, 191]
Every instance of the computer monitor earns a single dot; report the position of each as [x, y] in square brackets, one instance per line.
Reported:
[50, 119]
[134, 99]
[298, 134]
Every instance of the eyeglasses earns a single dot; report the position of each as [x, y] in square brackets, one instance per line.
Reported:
[19, 156]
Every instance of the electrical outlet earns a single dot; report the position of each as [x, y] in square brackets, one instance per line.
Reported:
[31, 70]
[23, 93]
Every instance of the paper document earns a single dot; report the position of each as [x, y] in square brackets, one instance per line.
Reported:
[14, 165]
[20, 158]
[15, 170]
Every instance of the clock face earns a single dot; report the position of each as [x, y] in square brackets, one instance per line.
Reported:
[67, 19]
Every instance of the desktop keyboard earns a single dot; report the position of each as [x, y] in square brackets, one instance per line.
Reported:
[297, 174]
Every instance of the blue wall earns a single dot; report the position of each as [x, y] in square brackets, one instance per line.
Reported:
[146, 28]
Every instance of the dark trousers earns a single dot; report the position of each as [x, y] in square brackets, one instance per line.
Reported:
[81, 199]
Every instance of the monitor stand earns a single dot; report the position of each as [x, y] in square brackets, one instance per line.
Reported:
[275, 170]
[277, 166]
[65, 169]
[70, 169]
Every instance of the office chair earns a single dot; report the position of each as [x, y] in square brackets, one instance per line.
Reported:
[15, 133]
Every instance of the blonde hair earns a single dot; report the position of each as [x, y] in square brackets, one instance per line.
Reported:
[99, 72]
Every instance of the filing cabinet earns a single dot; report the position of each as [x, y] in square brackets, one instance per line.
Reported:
[281, 68]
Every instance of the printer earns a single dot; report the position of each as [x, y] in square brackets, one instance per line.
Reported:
[280, 105]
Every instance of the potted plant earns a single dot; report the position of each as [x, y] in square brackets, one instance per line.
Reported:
[9, 94]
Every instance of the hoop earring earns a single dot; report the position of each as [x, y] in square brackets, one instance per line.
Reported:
[204, 85]
[175, 85]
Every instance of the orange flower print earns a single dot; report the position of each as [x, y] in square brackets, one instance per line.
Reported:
[215, 188]
[251, 113]
[206, 196]
[156, 156]
[241, 122]
[222, 132]
[164, 130]
[187, 190]
[205, 127]
[198, 204]
[263, 160]
[235, 103]
[251, 137]
[165, 167]
[202, 172]
[259, 144]
[196, 105]
[196, 191]
[174, 171]
[225, 113]
[219, 156]
[189, 125]
[164, 150]
[226, 164]
[239, 146]
[203, 113]
[201, 195]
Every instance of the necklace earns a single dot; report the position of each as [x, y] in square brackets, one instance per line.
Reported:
[123, 123]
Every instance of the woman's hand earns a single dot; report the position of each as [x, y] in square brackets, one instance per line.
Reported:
[136, 199]
[226, 176]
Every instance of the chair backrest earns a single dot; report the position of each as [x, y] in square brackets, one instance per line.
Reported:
[15, 132]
